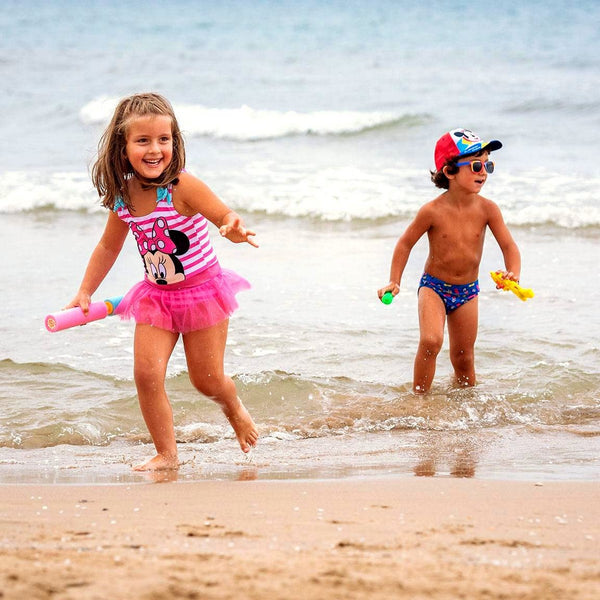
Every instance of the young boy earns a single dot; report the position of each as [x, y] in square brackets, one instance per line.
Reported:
[455, 223]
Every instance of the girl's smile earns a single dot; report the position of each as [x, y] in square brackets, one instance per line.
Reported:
[149, 145]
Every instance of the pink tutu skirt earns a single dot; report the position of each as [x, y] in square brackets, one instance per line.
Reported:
[197, 303]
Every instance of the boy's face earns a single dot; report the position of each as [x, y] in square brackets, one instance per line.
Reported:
[467, 180]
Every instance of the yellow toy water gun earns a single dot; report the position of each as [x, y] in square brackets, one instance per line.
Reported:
[513, 286]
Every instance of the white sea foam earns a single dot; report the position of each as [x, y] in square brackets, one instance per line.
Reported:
[543, 197]
[250, 124]
[326, 193]
[331, 193]
[30, 190]
[348, 193]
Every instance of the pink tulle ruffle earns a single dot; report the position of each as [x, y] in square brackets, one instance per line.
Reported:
[198, 303]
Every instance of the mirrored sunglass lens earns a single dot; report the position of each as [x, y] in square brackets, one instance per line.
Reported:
[476, 166]
[489, 166]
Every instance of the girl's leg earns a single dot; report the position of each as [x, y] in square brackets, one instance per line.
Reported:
[462, 331]
[204, 351]
[152, 349]
[432, 317]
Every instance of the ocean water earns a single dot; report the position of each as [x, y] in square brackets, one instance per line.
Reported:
[316, 121]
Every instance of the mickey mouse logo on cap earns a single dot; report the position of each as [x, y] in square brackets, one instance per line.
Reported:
[460, 142]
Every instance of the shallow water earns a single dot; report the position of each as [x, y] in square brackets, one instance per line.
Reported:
[317, 123]
[326, 373]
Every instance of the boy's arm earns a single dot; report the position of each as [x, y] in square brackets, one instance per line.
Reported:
[404, 245]
[508, 246]
[102, 259]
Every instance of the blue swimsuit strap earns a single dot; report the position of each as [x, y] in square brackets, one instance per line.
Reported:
[162, 193]
[165, 193]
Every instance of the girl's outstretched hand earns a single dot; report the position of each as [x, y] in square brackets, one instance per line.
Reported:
[236, 232]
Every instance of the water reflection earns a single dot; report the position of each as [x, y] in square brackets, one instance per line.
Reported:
[456, 453]
[165, 476]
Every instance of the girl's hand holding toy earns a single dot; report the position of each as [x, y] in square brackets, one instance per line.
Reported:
[75, 316]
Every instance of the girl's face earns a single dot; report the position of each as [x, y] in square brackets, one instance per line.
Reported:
[149, 145]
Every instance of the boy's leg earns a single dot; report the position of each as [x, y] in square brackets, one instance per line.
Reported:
[432, 317]
[462, 332]
[204, 351]
[152, 350]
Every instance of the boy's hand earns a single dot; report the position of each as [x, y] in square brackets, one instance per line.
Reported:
[392, 287]
[236, 232]
[507, 275]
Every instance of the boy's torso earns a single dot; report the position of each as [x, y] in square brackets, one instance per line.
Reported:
[456, 239]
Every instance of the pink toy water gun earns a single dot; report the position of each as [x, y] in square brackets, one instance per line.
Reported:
[75, 316]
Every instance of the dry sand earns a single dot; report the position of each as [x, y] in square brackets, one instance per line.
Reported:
[415, 538]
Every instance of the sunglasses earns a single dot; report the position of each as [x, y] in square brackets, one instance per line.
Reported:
[477, 165]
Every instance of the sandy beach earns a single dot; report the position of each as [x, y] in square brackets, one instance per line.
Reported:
[439, 538]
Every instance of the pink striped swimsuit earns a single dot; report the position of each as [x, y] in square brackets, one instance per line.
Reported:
[184, 288]
[173, 247]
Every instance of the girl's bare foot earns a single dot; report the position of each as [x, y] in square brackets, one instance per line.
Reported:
[243, 425]
[160, 462]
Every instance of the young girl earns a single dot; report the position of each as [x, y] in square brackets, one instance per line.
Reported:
[139, 173]
[455, 223]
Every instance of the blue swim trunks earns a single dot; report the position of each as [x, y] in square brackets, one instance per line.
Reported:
[453, 296]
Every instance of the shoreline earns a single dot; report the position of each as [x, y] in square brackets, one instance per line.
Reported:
[516, 454]
[377, 537]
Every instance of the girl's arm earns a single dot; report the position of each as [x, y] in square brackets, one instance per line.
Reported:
[508, 246]
[419, 226]
[196, 197]
[102, 259]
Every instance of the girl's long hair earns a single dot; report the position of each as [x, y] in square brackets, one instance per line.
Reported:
[112, 170]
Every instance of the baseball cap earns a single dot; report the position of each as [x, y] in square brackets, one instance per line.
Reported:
[460, 142]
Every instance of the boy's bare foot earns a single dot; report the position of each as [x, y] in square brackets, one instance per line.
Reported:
[159, 463]
[243, 425]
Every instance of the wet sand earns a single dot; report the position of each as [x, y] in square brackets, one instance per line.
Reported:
[437, 538]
